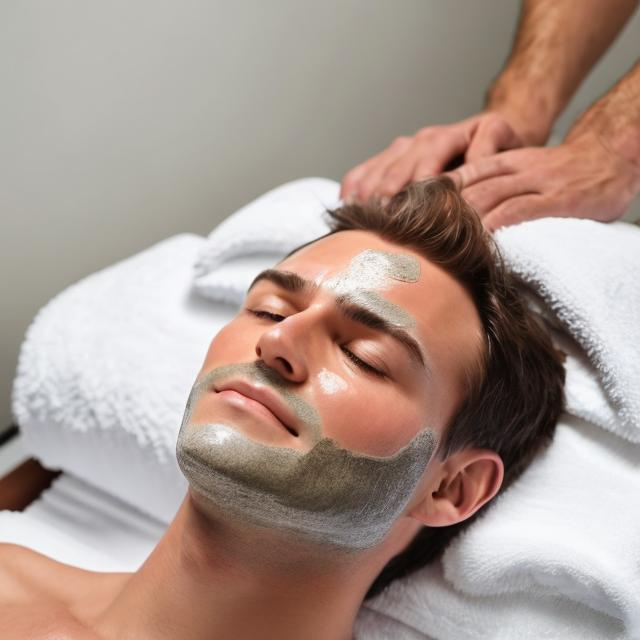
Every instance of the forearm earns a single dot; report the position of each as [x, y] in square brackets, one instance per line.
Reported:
[556, 44]
[615, 119]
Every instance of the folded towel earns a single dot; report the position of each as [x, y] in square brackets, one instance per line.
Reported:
[586, 273]
[546, 547]
[75, 523]
[106, 368]
[105, 371]
[260, 234]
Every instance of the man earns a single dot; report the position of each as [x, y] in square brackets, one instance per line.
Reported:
[379, 384]
[507, 176]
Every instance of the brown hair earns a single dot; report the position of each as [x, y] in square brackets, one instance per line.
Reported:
[516, 395]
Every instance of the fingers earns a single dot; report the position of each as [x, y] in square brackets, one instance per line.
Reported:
[360, 181]
[429, 151]
[481, 169]
[370, 182]
[425, 158]
[520, 209]
[484, 143]
[493, 134]
[435, 157]
[408, 159]
[391, 171]
[486, 195]
[350, 181]
[398, 174]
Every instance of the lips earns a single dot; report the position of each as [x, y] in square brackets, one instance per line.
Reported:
[265, 397]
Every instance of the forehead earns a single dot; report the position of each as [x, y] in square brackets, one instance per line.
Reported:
[426, 288]
[333, 254]
[446, 319]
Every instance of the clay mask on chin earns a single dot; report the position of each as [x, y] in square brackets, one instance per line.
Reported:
[328, 495]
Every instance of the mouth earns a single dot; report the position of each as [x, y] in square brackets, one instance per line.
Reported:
[259, 400]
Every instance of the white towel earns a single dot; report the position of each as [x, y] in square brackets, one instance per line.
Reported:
[261, 233]
[556, 555]
[80, 525]
[105, 371]
[559, 550]
[587, 274]
[106, 367]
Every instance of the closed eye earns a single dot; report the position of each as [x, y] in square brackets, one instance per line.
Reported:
[276, 317]
[361, 363]
[365, 366]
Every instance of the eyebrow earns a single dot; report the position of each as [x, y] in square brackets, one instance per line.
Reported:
[293, 282]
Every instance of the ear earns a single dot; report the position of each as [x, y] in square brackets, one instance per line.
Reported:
[467, 480]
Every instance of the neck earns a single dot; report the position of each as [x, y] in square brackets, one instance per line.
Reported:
[209, 578]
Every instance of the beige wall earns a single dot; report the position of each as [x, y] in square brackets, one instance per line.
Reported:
[125, 122]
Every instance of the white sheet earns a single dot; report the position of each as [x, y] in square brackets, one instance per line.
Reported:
[80, 525]
[105, 371]
[83, 526]
[103, 377]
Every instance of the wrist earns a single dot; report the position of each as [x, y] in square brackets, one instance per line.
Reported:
[531, 131]
[615, 131]
[526, 105]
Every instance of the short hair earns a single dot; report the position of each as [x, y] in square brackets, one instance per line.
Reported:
[513, 398]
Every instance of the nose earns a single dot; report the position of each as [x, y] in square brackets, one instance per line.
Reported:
[282, 348]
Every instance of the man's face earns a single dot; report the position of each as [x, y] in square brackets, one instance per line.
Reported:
[356, 341]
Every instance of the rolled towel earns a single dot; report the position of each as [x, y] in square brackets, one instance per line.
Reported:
[586, 273]
[261, 233]
[105, 371]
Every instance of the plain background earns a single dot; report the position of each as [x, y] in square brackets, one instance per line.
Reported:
[125, 122]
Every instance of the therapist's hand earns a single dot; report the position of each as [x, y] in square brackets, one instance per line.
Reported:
[429, 152]
[583, 177]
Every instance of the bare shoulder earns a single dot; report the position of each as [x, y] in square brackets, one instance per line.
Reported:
[39, 595]
[26, 574]
[41, 621]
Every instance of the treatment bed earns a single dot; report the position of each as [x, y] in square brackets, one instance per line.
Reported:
[106, 367]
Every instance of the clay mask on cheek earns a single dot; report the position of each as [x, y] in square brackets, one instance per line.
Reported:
[331, 382]
[327, 495]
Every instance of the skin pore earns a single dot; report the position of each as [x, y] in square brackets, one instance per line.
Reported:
[368, 391]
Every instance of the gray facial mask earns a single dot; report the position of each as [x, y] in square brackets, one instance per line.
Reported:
[327, 495]
[372, 271]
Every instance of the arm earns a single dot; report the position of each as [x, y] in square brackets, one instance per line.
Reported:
[615, 119]
[556, 45]
[594, 173]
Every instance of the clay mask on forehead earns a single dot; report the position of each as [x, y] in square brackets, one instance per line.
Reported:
[371, 271]
[327, 495]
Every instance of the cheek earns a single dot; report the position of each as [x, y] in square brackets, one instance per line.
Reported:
[377, 422]
[231, 344]
[331, 383]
